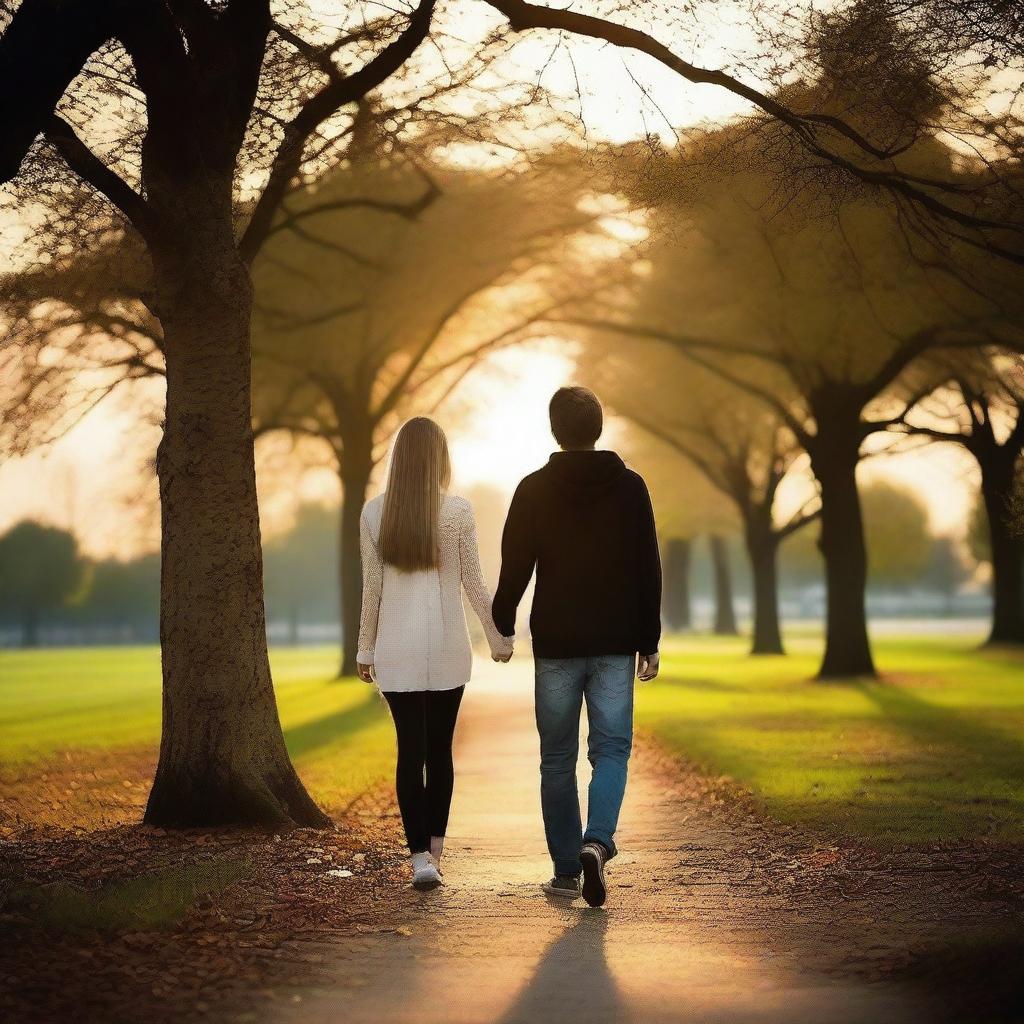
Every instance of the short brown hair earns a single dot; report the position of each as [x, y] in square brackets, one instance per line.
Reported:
[576, 417]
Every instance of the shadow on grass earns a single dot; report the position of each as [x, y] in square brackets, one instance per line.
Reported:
[339, 725]
[76, 711]
[909, 770]
[149, 901]
[994, 754]
[704, 684]
[966, 782]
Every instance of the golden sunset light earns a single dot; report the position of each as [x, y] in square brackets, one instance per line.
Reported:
[511, 511]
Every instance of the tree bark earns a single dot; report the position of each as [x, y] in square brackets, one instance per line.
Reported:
[997, 484]
[222, 754]
[762, 549]
[356, 467]
[676, 562]
[835, 453]
[725, 613]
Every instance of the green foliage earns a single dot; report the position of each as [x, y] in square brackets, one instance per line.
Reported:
[300, 568]
[900, 545]
[933, 751]
[800, 562]
[947, 567]
[146, 902]
[896, 526]
[123, 592]
[39, 570]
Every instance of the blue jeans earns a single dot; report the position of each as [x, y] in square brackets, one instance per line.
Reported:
[606, 683]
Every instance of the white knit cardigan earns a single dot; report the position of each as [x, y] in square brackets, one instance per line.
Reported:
[413, 627]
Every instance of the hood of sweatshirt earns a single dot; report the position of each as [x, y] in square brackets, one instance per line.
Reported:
[586, 476]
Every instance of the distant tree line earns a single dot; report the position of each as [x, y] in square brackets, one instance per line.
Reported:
[50, 591]
[908, 562]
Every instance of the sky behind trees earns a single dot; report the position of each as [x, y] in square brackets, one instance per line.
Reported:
[605, 93]
[499, 432]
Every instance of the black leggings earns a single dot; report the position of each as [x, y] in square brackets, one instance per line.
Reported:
[425, 724]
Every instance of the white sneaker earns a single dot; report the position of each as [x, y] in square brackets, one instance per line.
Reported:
[425, 872]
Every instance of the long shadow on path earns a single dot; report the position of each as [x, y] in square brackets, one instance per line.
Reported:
[572, 980]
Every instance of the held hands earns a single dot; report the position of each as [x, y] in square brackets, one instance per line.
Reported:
[365, 672]
[647, 666]
[504, 652]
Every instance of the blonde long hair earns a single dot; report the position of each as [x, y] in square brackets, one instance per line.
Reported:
[420, 470]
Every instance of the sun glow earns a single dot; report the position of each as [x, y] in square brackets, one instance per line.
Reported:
[499, 429]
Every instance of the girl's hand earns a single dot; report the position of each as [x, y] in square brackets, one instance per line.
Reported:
[365, 672]
[504, 653]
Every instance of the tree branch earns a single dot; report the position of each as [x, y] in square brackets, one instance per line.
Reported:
[717, 480]
[798, 521]
[102, 178]
[38, 63]
[408, 211]
[331, 98]
[522, 16]
[688, 348]
[911, 430]
[675, 340]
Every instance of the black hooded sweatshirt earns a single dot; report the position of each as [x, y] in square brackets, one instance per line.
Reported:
[585, 522]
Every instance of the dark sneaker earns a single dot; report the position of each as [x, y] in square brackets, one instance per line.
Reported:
[565, 886]
[594, 856]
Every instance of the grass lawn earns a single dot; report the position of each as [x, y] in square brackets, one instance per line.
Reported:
[934, 750]
[109, 699]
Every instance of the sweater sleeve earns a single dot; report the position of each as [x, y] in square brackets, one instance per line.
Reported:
[518, 558]
[648, 575]
[474, 585]
[373, 582]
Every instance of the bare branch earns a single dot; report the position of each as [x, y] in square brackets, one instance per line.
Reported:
[806, 127]
[331, 98]
[96, 173]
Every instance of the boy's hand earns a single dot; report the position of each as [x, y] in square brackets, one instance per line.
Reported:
[647, 666]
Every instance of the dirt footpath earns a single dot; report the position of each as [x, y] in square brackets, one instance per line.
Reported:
[713, 916]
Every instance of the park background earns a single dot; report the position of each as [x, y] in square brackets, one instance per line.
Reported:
[807, 339]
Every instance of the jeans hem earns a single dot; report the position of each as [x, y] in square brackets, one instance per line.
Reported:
[573, 872]
[604, 839]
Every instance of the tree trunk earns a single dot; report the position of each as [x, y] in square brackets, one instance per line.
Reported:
[223, 759]
[763, 549]
[725, 613]
[356, 467]
[676, 561]
[834, 457]
[997, 483]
